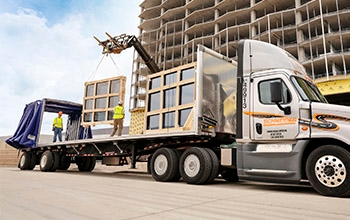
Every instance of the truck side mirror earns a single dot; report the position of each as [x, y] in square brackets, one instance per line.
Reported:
[276, 96]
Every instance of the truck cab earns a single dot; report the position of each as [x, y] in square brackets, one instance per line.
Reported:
[289, 132]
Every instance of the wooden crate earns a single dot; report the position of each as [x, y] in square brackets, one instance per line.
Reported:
[170, 100]
[100, 97]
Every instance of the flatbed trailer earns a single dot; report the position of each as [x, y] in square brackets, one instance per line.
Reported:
[131, 147]
[207, 128]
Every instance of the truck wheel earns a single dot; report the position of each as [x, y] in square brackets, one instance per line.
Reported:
[56, 161]
[25, 161]
[216, 166]
[33, 161]
[149, 159]
[46, 161]
[195, 165]
[328, 170]
[64, 162]
[230, 175]
[165, 165]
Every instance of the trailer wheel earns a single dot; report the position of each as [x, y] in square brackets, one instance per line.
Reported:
[230, 175]
[328, 170]
[165, 165]
[195, 165]
[216, 166]
[56, 161]
[92, 164]
[25, 161]
[82, 163]
[177, 177]
[33, 161]
[46, 161]
[64, 162]
[85, 164]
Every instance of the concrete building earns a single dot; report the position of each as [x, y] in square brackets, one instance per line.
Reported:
[316, 32]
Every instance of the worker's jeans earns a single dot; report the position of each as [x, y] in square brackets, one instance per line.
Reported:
[57, 132]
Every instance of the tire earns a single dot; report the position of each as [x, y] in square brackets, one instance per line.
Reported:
[85, 164]
[230, 175]
[165, 165]
[177, 176]
[46, 161]
[33, 161]
[56, 161]
[64, 162]
[216, 166]
[25, 161]
[149, 160]
[195, 165]
[92, 164]
[328, 171]
[82, 163]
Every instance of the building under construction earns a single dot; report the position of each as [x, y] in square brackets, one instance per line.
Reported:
[316, 32]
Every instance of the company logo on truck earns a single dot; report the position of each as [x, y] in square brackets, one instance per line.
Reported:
[273, 119]
[321, 121]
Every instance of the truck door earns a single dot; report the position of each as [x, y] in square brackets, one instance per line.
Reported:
[268, 120]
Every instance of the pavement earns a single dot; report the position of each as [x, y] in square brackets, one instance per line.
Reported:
[123, 193]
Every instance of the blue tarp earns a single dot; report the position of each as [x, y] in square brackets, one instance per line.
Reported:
[28, 129]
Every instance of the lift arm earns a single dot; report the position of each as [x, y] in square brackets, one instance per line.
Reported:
[119, 43]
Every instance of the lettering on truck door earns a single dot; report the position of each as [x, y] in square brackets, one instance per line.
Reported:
[268, 122]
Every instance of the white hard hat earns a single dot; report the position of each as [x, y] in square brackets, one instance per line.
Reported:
[120, 102]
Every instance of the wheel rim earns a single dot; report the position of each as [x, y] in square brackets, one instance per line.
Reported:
[160, 164]
[330, 171]
[43, 161]
[23, 160]
[191, 165]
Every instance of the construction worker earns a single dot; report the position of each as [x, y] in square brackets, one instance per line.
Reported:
[58, 127]
[118, 117]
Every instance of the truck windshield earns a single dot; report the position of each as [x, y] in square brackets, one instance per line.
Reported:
[307, 90]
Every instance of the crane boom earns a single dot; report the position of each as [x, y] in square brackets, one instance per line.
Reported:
[119, 43]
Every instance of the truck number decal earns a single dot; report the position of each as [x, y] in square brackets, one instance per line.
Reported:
[244, 94]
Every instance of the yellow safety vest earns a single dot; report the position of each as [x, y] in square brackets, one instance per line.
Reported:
[58, 122]
[118, 112]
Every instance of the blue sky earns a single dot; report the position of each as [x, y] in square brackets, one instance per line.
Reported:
[47, 50]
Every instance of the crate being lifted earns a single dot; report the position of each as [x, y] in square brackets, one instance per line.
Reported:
[100, 97]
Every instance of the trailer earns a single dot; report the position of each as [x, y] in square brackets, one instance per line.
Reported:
[258, 119]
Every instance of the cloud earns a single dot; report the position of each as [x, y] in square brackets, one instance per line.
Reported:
[44, 59]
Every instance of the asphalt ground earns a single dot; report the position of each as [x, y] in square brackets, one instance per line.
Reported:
[122, 193]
